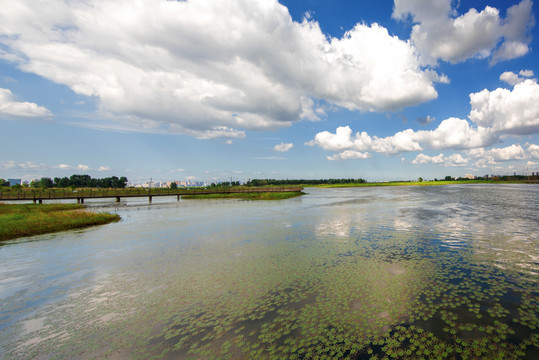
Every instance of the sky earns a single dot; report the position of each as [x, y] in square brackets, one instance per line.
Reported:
[213, 90]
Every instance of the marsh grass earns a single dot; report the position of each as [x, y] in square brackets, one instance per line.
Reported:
[407, 183]
[18, 220]
[248, 196]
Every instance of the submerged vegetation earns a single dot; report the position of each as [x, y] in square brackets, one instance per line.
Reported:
[17, 220]
[357, 302]
[347, 279]
[248, 196]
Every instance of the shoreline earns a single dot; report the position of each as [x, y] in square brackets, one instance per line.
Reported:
[247, 196]
[422, 183]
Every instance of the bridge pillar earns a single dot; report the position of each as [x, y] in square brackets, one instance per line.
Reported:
[40, 201]
[179, 197]
[82, 200]
[150, 199]
[117, 199]
[35, 200]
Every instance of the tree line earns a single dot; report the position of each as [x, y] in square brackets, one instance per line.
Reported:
[76, 181]
[264, 182]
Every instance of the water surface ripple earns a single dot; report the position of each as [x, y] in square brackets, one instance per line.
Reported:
[404, 272]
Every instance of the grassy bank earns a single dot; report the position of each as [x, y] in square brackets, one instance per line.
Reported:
[248, 196]
[418, 183]
[18, 220]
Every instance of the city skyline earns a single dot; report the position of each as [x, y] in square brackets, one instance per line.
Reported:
[212, 90]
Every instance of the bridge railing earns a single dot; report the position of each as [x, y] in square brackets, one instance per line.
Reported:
[67, 193]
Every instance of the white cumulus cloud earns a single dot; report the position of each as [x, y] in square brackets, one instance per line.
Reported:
[349, 155]
[452, 133]
[10, 108]
[508, 111]
[451, 160]
[282, 147]
[425, 159]
[512, 152]
[80, 167]
[512, 79]
[455, 133]
[211, 68]
[533, 151]
[493, 115]
[26, 166]
[440, 33]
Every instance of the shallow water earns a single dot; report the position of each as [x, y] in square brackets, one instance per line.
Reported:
[445, 271]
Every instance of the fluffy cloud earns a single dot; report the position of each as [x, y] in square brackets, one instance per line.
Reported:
[493, 115]
[533, 151]
[512, 79]
[80, 167]
[350, 154]
[482, 157]
[513, 152]
[526, 73]
[210, 68]
[452, 133]
[508, 111]
[451, 160]
[26, 166]
[10, 108]
[439, 34]
[342, 139]
[282, 147]
[425, 159]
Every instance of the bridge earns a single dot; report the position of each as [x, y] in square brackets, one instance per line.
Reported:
[38, 195]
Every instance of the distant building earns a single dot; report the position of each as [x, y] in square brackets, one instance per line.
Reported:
[469, 176]
[14, 182]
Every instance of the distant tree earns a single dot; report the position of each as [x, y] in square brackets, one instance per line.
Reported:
[4, 182]
[45, 183]
[17, 186]
[79, 180]
[115, 182]
[448, 178]
[173, 185]
[61, 182]
[420, 179]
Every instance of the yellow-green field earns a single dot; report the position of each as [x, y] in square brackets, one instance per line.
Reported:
[410, 183]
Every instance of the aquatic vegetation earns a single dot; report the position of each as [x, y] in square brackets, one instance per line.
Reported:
[311, 291]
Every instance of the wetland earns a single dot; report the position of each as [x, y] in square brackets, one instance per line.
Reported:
[352, 273]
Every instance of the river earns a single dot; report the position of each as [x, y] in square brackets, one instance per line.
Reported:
[406, 272]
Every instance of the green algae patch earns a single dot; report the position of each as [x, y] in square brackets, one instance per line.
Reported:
[249, 196]
[19, 220]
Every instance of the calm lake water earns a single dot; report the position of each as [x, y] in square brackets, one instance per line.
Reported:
[404, 272]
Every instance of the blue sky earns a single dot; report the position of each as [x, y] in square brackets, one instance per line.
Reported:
[212, 90]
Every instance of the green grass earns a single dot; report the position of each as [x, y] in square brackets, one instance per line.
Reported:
[409, 183]
[18, 220]
[249, 196]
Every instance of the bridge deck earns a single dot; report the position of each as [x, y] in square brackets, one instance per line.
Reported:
[81, 194]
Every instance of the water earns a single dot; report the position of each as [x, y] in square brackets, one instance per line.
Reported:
[406, 272]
